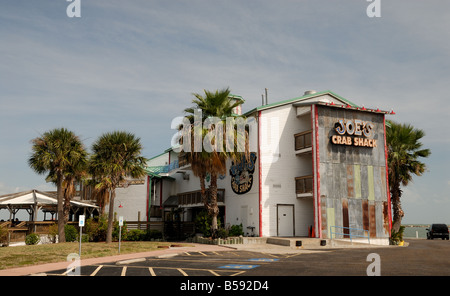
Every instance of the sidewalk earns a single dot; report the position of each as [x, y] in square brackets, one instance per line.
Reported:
[37, 269]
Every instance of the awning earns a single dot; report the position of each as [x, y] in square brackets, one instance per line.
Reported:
[172, 201]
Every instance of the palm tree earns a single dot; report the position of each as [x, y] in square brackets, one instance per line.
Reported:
[217, 105]
[116, 156]
[60, 154]
[404, 153]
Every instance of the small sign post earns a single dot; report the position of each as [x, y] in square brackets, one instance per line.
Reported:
[120, 230]
[80, 224]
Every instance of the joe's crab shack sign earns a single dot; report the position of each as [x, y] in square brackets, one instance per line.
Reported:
[354, 132]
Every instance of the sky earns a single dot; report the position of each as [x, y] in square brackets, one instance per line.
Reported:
[134, 65]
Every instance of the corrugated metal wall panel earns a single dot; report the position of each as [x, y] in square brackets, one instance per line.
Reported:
[353, 179]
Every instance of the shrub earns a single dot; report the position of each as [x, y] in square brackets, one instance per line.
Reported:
[397, 237]
[71, 233]
[203, 223]
[222, 233]
[116, 228]
[53, 232]
[32, 239]
[96, 229]
[3, 236]
[236, 230]
[152, 234]
[135, 235]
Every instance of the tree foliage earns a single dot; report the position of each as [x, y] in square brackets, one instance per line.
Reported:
[405, 152]
[61, 154]
[116, 157]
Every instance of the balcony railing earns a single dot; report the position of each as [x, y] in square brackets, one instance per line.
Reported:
[304, 185]
[195, 197]
[303, 140]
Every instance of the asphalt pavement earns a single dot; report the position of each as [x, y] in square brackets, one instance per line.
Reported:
[417, 257]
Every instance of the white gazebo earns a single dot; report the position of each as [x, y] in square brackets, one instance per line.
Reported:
[34, 200]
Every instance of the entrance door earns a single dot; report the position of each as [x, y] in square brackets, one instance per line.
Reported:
[285, 215]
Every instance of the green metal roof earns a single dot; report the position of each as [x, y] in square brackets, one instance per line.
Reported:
[299, 99]
[236, 97]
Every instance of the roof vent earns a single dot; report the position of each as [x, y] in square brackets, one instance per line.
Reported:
[310, 92]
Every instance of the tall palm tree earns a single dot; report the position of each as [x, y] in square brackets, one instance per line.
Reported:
[404, 153]
[218, 104]
[60, 154]
[116, 156]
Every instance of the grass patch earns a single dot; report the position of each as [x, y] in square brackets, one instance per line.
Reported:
[20, 256]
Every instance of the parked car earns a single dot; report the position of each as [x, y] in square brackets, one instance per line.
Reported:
[438, 230]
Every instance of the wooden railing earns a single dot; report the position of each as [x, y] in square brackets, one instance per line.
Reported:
[143, 225]
[194, 197]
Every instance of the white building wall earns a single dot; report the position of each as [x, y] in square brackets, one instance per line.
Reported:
[133, 201]
[280, 165]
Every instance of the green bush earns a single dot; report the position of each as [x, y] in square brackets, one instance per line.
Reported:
[84, 238]
[116, 228]
[32, 239]
[53, 232]
[236, 230]
[3, 236]
[203, 223]
[152, 234]
[397, 237]
[135, 235]
[71, 233]
[96, 229]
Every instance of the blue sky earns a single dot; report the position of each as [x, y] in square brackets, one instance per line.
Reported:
[133, 65]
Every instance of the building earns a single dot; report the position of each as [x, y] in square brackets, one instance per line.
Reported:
[318, 169]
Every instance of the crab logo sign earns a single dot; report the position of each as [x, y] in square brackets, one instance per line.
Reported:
[241, 174]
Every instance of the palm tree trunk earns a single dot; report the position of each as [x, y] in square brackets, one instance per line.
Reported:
[396, 207]
[67, 197]
[110, 217]
[213, 204]
[60, 198]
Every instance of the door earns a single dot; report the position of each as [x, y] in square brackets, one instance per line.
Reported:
[244, 215]
[285, 215]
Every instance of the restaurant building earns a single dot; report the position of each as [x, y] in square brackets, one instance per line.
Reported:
[317, 169]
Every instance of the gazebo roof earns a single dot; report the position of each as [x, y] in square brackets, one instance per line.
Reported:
[29, 198]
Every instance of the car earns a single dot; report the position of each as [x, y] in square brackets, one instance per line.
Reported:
[438, 230]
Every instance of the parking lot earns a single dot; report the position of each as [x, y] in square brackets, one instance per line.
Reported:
[223, 263]
[420, 257]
